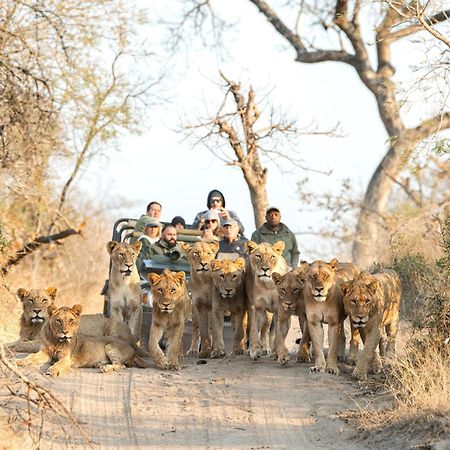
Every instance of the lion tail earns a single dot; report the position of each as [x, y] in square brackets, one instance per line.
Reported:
[139, 361]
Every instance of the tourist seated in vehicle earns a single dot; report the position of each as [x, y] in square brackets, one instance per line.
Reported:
[152, 232]
[166, 246]
[232, 244]
[211, 228]
[153, 210]
[216, 202]
[178, 222]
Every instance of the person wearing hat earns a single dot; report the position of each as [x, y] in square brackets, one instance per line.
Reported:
[178, 222]
[154, 211]
[274, 230]
[216, 201]
[211, 228]
[232, 242]
[151, 234]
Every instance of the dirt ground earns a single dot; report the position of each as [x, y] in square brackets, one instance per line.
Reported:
[232, 403]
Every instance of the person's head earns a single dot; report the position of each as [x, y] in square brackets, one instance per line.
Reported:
[178, 222]
[154, 210]
[169, 235]
[212, 220]
[152, 228]
[230, 230]
[215, 200]
[273, 217]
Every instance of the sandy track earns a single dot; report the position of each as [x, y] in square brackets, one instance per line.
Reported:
[228, 403]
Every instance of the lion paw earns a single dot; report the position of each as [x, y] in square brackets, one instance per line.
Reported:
[316, 369]
[256, 353]
[332, 370]
[351, 361]
[303, 357]
[23, 362]
[239, 351]
[161, 363]
[217, 353]
[283, 359]
[360, 374]
[54, 371]
[108, 368]
[174, 366]
[205, 353]
[192, 352]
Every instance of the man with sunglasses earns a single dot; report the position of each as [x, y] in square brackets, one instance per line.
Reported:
[216, 202]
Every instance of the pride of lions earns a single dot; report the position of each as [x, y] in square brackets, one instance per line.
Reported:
[260, 293]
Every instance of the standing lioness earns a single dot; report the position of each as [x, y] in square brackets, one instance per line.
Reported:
[124, 290]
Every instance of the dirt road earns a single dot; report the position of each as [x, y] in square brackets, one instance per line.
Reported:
[228, 403]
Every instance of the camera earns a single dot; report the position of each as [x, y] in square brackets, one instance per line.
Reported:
[174, 255]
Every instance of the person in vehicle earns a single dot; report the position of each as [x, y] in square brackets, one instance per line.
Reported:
[216, 202]
[274, 230]
[153, 210]
[178, 222]
[232, 243]
[211, 228]
[152, 232]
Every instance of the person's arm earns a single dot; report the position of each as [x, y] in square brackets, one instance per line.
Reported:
[295, 252]
[198, 222]
[256, 236]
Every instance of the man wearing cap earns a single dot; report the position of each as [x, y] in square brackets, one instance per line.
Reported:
[232, 242]
[216, 202]
[274, 230]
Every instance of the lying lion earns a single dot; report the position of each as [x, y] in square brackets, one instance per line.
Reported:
[34, 315]
[65, 348]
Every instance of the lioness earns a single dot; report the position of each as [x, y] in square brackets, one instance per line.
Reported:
[372, 301]
[323, 304]
[290, 302]
[171, 309]
[199, 257]
[264, 259]
[124, 290]
[35, 303]
[65, 348]
[228, 295]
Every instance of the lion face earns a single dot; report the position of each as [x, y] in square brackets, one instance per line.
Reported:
[35, 303]
[168, 289]
[124, 256]
[359, 298]
[228, 275]
[290, 286]
[201, 254]
[320, 278]
[264, 258]
[64, 321]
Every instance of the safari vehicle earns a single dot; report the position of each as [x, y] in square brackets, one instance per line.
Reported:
[123, 232]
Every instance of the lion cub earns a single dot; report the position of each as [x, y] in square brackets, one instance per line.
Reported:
[64, 348]
[373, 301]
[228, 295]
[171, 309]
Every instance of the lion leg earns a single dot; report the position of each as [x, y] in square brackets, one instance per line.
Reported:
[195, 338]
[366, 356]
[156, 333]
[135, 322]
[21, 346]
[282, 325]
[203, 323]
[273, 336]
[174, 347]
[265, 332]
[316, 332]
[354, 345]
[334, 331]
[238, 320]
[60, 367]
[258, 317]
[120, 355]
[341, 355]
[34, 359]
[304, 352]
[391, 331]
[217, 319]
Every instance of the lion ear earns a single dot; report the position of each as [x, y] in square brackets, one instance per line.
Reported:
[52, 310]
[373, 286]
[240, 262]
[153, 278]
[304, 266]
[22, 293]
[250, 247]
[136, 246]
[345, 289]
[276, 277]
[215, 264]
[180, 276]
[110, 246]
[184, 246]
[279, 247]
[76, 309]
[334, 263]
[214, 246]
[52, 292]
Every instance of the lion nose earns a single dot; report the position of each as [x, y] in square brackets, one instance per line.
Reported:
[319, 289]
[227, 290]
[166, 305]
[37, 311]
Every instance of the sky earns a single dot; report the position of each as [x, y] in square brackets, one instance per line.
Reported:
[161, 165]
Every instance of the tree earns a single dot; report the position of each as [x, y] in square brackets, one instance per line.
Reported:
[352, 28]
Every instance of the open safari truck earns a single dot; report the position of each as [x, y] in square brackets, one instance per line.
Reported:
[123, 232]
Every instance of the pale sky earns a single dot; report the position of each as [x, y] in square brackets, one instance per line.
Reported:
[160, 166]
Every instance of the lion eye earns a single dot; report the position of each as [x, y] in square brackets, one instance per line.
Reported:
[367, 301]
[295, 291]
[196, 254]
[234, 277]
[59, 321]
[30, 301]
[325, 276]
[160, 290]
[353, 302]
[71, 321]
[222, 276]
[173, 290]
[44, 301]
[283, 291]
[258, 256]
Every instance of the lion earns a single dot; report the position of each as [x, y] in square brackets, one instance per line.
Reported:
[171, 309]
[199, 257]
[124, 290]
[290, 302]
[64, 348]
[372, 302]
[228, 295]
[264, 259]
[323, 304]
[35, 303]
